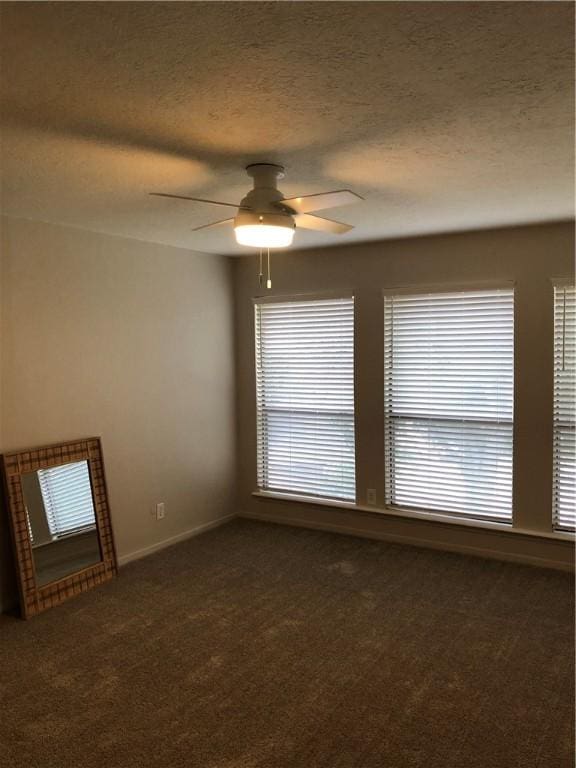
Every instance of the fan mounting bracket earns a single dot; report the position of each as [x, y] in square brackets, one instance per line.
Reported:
[265, 174]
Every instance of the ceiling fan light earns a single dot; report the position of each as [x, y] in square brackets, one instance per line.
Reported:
[264, 235]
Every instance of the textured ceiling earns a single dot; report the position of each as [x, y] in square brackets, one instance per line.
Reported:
[444, 116]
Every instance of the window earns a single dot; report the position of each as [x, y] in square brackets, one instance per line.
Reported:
[564, 499]
[449, 372]
[67, 496]
[305, 397]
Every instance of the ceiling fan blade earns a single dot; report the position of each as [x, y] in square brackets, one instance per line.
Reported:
[199, 200]
[213, 224]
[321, 201]
[308, 221]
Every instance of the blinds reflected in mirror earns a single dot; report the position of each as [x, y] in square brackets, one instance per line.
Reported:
[305, 397]
[67, 495]
[449, 375]
[564, 494]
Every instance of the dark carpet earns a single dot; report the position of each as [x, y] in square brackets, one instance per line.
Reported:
[261, 646]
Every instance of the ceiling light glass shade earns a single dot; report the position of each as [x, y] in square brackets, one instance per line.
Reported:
[264, 235]
[264, 230]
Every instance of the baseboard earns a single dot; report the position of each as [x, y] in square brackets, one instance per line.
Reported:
[190, 533]
[493, 554]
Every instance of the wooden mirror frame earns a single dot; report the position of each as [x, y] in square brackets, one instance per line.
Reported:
[34, 598]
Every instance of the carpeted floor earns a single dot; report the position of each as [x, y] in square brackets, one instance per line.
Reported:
[260, 646]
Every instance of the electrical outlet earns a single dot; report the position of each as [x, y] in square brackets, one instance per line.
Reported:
[160, 511]
[371, 496]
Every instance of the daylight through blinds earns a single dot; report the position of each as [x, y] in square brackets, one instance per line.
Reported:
[67, 496]
[564, 407]
[449, 375]
[305, 397]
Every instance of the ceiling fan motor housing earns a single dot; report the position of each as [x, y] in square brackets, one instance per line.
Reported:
[262, 201]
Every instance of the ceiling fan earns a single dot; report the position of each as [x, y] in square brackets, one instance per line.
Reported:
[266, 219]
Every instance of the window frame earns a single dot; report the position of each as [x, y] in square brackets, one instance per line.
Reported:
[557, 528]
[276, 298]
[434, 513]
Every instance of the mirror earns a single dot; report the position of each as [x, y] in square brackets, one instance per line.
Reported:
[61, 520]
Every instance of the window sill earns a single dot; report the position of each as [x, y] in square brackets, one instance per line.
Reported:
[413, 515]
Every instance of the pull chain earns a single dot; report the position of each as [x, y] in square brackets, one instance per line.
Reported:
[260, 273]
[269, 281]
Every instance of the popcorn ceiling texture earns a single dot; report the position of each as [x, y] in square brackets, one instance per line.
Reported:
[444, 116]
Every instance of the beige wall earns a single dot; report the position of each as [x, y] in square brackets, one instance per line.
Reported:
[130, 341]
[529, 256]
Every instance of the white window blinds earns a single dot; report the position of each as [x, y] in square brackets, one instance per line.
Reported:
[67, 496]
[449, 372]
[564, 499]
[305, 397]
